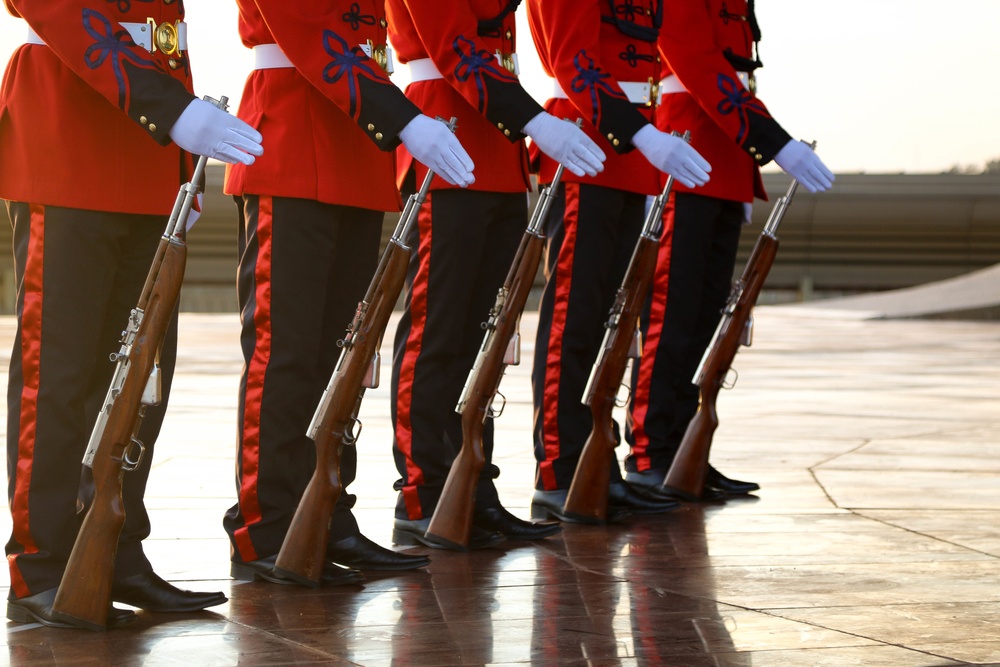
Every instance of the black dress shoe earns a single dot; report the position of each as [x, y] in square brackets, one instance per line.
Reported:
[359, 552]
[732, 487]
[638, 501]
[263, 568]
[651, 478]
[650, 482]
[38, 609]
[148, 591]
[657, 493]
[499, 520]
[551, 504]
[408, 532]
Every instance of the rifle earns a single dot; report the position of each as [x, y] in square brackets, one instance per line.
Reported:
[451, 523]
[686, 477]
[303, 551]
[587, 499]
[84, 593]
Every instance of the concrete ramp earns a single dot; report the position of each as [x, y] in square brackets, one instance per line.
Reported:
[974, 295]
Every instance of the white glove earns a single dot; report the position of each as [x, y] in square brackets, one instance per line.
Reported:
[564, 142]
[800, 162]
[672, 155]
[433, 144]
[747, 213]
[205, 129]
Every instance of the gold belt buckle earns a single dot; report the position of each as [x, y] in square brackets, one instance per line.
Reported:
[381, 54]
[165, 37]
[508, 61]
[654, 93]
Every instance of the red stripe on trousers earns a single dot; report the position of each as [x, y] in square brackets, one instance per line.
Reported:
[553, 361]
[249, 501]
[658, 309]
[31, 340]
[407, 368]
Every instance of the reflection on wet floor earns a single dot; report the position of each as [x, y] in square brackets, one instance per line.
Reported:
[874, 539]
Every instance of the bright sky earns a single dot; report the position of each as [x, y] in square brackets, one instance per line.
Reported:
[883, 86]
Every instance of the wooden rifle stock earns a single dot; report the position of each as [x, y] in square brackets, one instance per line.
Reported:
[303, 551]
[587, 499]
[451, 523]
[686, 477]
[84, 594]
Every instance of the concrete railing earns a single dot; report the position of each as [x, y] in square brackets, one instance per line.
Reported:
[871, 232]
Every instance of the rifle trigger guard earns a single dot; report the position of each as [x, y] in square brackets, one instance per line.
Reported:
[726, 383]
[494, 413]
[128, 463]
[350, 435]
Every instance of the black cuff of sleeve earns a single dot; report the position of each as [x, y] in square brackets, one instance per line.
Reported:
[509, 107]
[620, 120]
[156, 100]
[385, 111]
[764, 138]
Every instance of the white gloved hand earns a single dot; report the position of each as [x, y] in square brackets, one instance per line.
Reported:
[800, 162]
[564, 142]
[672, 155]
[433, 144]
[747, 213]
[205, 129]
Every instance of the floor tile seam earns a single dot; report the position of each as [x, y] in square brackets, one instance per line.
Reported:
[919, 470]
[568, 560]
[814, 473]
[813, 569]
[880, 642]
[804, 561]
[812, 470]
[258, 631]
[886, 522]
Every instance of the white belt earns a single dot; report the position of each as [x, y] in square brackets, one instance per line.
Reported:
[270, 56]
[637, 92]
[671, 84]
[424, 69]
[143, 35]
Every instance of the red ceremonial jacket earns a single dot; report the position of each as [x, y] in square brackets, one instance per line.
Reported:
[330, 122]
[84, 117]
[461, 39]
[704, 44]
[589, 46]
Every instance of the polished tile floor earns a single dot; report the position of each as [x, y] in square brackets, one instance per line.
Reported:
[875, 539]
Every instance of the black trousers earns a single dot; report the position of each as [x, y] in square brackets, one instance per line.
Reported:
[79, 274]
[303, 268]
[692, 284]
[462, 248]
[592, 232]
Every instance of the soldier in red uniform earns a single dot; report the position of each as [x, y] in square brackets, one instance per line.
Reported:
[463, 60]
[311, 221]
[94, 113]
[603, 57]
[708, 88]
